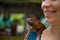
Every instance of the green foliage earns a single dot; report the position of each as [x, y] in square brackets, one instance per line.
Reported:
[35, 1]
[22, 1]
[11, 38]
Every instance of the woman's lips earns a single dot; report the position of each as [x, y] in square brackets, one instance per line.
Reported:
[49, 13]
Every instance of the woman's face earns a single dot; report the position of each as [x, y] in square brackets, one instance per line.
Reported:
[51, 10]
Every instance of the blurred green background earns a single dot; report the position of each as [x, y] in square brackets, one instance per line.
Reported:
[22, 1]
[19, 10]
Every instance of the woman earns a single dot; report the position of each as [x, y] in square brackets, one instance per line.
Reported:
[35, 31]
[51, 10]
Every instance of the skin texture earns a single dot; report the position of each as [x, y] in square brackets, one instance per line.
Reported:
[51, 10]
[36, 25]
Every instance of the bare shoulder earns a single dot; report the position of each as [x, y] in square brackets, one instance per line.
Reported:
[45, 31]
[45, 34]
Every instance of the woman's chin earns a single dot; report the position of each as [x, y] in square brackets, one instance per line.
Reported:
[50, 21]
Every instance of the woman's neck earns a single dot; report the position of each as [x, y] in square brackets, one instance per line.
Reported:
[55, 29]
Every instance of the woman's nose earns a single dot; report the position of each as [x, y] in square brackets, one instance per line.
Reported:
[45, 5]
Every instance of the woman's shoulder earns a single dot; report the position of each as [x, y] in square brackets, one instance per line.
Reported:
[45, 34]
[46, 31]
